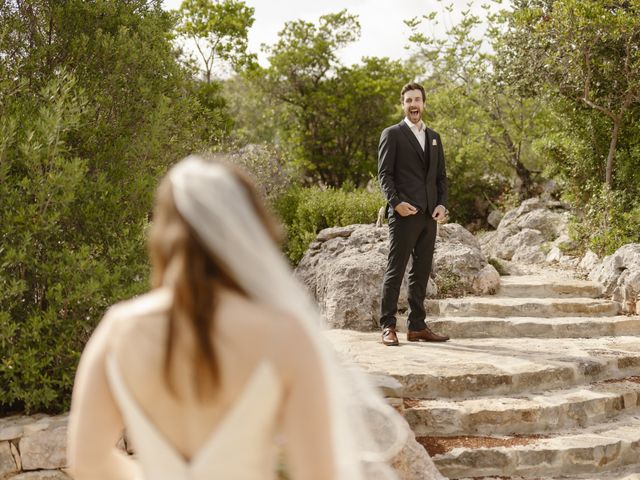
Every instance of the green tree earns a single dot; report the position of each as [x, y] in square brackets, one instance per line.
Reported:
[94, 106]
[489, 128]
[333, 114]
[586, 51]
[257, 117]
[219, 30]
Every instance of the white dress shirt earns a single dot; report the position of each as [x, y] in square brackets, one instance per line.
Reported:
[418, 130]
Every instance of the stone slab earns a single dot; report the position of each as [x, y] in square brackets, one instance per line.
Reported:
[45, 449]
[538, 327]
[13, 427]
[43, 475]
[542, 413]
[546, 286]
[7, 462]
[521, 307]
[463, 368]
[629, 472]
[591, 450]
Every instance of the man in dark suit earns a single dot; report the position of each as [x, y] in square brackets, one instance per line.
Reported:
[413, 178]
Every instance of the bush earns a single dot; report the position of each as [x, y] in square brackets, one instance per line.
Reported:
[306, 211]
[607, 221]
[56, 278]
[449, 284]
[80, 157]
[266, 164]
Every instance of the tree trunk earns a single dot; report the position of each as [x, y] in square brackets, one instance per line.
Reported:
[612, 152]
[523, 173]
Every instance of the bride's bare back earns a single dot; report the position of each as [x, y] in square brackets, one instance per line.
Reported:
[245, 335]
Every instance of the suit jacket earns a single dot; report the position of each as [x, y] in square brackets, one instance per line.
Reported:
[409, 174]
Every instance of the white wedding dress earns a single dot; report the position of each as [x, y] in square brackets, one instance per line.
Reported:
[240, 447]
[335, 425]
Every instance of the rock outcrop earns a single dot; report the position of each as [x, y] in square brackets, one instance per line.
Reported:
[535, 232]
[620, 275]
[344, 266]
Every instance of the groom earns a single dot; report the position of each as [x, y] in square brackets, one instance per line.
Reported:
[413, 178]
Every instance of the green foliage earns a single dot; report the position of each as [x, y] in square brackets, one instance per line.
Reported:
[268, 167]
[80, 156]
[258, 118]
[577, 148]
[219, 30]
[498, 266]
[56, 278]
[583, 50]
[327, 116]
[306, 211]
[449, 284]
[487, 127]
[609, 220]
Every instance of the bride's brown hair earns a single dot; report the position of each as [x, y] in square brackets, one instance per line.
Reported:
[196, 273]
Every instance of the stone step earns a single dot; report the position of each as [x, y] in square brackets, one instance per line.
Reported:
[628, 472]
[546, 286]
[592, 450]
[466, 368]
[538, 327]
[525, 415]
[521, 307]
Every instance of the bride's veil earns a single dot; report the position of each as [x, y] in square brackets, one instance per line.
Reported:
[366, 431]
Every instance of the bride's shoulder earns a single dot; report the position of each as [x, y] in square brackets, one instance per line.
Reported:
[262, 314]
[124, 315]
[152, 302]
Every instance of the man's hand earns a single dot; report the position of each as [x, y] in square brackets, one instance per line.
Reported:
[405, 209]
[439, 214]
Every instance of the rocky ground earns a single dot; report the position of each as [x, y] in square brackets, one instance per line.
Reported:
[542, 376]
[541, 380]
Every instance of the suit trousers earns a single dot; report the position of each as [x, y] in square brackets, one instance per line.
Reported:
[411, 236]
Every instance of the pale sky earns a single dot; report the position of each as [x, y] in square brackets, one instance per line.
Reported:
[383, 33]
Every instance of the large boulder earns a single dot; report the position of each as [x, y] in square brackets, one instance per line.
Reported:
[414, 463]
[620, 275]
[532, 233]
[344, 266]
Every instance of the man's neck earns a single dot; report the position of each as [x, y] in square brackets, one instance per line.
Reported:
[417, 124]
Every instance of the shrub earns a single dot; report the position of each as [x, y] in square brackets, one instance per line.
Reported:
[56, 278]
[306, 211]
[80, 157]
[502, 271]
[266, 164]
[608, 220]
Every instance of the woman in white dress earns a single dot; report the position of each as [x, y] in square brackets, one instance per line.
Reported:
[223, 359]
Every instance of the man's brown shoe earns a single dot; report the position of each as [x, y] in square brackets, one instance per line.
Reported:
[389, 337]
[425, 335]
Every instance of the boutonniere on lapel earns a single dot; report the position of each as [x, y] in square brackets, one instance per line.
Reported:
[434, 142]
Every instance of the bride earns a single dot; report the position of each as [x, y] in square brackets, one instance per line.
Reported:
[223, 361]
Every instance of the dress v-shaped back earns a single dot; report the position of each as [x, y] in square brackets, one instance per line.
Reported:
[240, 447]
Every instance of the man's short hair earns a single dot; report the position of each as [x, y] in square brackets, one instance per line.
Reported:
[412, 86]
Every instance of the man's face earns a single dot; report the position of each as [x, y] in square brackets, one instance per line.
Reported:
[413, 105]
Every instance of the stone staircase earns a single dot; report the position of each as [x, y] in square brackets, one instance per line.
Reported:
[541, 380]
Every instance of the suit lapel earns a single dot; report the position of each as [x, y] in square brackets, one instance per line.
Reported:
[412, 139]
[433, 153]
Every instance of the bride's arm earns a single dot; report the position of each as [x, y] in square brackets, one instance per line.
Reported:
[309, 446]
[95, 423]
